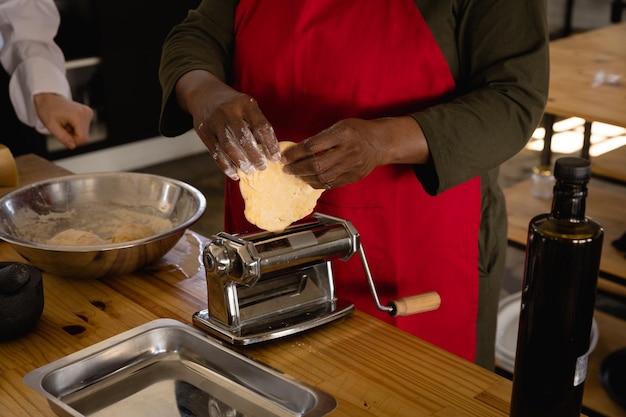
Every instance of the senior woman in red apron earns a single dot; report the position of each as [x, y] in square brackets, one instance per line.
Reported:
[402, 111]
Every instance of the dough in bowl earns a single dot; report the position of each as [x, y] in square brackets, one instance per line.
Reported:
[273, 200]
[74, 237]
[132, 231]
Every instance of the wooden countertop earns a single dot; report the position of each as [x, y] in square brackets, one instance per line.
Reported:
[371, 368]
[605, 204]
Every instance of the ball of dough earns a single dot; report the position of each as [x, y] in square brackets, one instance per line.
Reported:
[131, 231]
[74, 237]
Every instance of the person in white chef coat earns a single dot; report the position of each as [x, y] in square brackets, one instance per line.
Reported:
[35, 66]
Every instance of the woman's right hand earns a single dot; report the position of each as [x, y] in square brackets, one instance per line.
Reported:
[229, 123]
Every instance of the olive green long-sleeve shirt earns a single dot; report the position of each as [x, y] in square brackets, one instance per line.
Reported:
[497, 51]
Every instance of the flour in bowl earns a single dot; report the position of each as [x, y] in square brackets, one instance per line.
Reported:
[94, 226]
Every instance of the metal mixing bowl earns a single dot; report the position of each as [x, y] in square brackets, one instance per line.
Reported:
[97, 203]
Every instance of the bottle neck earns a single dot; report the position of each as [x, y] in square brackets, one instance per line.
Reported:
[569, 201]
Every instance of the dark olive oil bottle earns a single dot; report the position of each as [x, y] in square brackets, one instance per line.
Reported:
[558, 298]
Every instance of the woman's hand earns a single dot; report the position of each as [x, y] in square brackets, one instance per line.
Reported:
[351, 148]
[229, 123]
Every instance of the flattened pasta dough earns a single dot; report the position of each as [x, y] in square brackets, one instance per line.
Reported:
[273, 199]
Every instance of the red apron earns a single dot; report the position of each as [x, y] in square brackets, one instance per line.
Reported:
[312, 63]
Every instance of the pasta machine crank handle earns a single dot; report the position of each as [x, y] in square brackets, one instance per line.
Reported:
[405, 306]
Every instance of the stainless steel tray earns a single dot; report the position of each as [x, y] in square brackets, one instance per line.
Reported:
[166, 368]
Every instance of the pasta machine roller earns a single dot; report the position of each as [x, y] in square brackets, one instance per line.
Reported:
[265, 285]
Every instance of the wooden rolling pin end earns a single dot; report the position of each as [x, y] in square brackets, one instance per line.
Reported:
[414, 304]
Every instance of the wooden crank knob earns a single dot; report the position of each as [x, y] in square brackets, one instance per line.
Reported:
[414, 304]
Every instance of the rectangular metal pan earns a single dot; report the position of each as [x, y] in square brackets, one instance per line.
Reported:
[166, 368]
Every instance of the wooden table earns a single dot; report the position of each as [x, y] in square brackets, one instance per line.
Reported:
[606, 203]
[370, 367]
[574, 61]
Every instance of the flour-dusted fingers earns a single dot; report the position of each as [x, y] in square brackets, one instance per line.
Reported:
[229, 123]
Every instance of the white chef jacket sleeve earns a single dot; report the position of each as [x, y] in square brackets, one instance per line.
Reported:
[28, 53]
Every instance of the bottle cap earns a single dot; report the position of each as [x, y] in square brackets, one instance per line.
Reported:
[572, 169]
